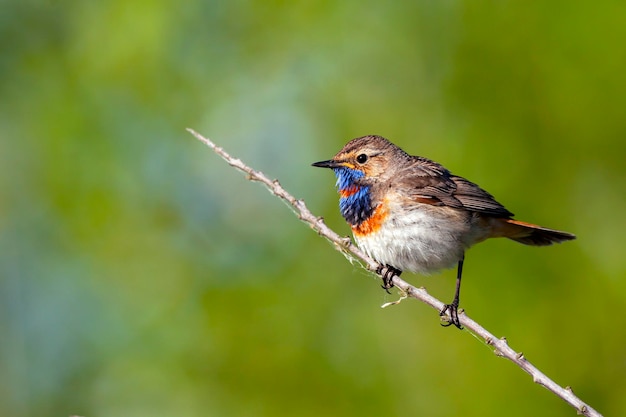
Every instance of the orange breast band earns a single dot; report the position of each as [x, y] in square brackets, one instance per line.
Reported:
[372, 224]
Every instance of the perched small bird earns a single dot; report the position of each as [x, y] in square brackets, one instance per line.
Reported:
[410, 213]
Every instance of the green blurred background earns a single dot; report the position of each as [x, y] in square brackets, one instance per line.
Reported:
[142, 276]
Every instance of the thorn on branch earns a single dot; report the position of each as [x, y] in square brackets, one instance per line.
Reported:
[412, 291]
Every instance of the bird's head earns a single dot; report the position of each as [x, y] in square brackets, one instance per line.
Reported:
[363, 161]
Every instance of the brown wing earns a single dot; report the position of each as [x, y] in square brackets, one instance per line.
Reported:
[475, 198]
[429, 182]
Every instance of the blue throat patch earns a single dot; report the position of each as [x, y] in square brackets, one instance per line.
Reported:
[356, 207]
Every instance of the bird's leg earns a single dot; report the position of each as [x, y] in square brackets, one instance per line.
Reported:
[453, 307]
[387, 272]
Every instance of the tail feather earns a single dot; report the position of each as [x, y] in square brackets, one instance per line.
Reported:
[532, 234]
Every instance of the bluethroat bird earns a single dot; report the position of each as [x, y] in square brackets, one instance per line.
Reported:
[410, 213]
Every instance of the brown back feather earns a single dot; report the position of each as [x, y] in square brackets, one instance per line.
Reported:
[426, 179]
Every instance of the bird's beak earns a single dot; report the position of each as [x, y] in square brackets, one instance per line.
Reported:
[327, 164]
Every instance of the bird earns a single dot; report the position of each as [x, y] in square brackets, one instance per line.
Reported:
[410, 213]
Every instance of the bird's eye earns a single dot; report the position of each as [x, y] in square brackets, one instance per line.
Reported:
[361, 158]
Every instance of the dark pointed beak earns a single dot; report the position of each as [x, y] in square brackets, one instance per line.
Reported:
[327, 164]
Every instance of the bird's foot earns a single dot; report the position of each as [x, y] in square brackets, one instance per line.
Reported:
[387, 272]
[453, 310]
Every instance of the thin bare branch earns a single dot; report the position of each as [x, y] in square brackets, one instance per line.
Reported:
[345, 245]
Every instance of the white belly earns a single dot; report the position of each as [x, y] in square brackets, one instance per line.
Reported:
[420, 241]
